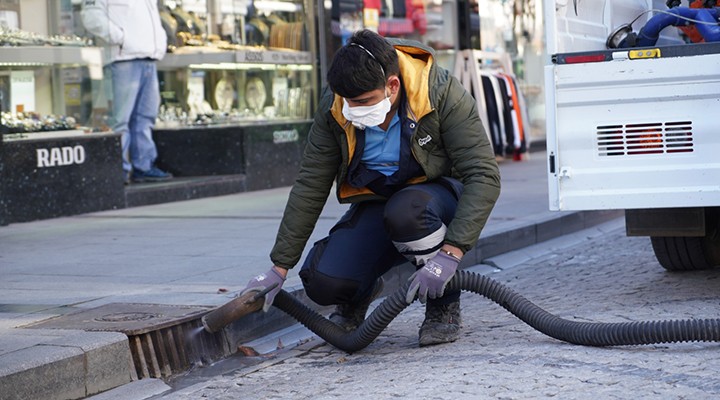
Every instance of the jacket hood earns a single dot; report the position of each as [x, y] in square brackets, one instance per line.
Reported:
[416, 62]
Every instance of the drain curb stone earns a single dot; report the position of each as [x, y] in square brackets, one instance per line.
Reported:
[67, 364]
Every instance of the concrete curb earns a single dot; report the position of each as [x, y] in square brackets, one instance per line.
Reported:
[540, 230]
[66, 365]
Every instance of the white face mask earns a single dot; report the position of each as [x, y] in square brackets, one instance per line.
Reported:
[364, 116]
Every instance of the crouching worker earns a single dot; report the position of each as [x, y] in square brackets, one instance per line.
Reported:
[403, 142]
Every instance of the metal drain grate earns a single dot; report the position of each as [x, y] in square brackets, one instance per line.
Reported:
[164, 339]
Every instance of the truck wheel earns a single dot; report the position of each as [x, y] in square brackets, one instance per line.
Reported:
[687, 253]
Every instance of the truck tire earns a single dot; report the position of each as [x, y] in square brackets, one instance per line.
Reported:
[676, 253]
[680, 253]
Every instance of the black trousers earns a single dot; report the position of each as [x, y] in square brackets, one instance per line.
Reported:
[373, 237]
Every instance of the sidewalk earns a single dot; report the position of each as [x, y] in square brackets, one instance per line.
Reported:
[194, 253]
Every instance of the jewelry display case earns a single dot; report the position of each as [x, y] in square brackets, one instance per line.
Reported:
[50, 84]
[239, 87]
[237, 62]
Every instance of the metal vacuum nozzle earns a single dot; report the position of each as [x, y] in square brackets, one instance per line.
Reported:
[234, 309]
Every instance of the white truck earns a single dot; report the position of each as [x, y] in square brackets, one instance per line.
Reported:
[636, 128]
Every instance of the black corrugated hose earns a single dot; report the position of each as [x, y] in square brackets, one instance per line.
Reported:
[582, 333]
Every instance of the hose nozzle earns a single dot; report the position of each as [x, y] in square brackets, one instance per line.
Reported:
[235, 309]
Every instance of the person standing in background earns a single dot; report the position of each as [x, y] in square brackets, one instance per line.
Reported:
[135, 40]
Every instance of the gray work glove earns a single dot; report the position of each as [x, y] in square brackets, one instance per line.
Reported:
[263, 281]
[430, 280]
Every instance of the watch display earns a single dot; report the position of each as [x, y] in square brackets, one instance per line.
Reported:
[255, 94]
[34, 122]
[224, 95]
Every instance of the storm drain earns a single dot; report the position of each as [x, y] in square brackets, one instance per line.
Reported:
[164, 339]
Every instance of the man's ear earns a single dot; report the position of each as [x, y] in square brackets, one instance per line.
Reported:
[394, 84]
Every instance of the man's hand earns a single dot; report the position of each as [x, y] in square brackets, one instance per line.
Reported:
[430, 280]
[274, 276]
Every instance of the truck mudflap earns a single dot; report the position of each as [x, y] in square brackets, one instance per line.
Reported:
[686, 222]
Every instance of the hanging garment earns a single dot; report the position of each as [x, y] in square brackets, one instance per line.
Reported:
[519, 126]
[500, 112]
[507, 116]
[526, 121]
[415, 12]
[491, 114]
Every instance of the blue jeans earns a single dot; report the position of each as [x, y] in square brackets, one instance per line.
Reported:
[135, 105]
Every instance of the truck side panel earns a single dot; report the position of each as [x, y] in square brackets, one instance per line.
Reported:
[637, 133]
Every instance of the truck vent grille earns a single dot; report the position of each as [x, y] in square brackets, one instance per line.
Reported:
[649, 138]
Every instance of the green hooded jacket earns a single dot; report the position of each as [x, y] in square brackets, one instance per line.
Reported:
[449, 141]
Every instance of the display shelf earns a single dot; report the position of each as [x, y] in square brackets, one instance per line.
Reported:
[25, 137]
[51, 55]
[257, 121]
[60, 83]
[210, 58]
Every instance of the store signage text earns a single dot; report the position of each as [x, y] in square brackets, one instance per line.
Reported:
[275, 57]
[22, 79]
[60, 156]
[254, 56]
[285, 136]
[297, 58]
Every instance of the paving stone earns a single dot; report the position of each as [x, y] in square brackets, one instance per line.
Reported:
[602, 278]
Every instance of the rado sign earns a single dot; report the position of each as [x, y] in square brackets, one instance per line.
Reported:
[60, 156]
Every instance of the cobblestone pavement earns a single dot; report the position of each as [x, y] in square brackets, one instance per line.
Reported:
[610, 278]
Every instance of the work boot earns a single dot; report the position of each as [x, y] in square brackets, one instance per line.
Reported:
[441, 325]
[350, 316]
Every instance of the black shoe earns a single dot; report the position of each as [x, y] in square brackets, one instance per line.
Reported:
[350, 316]
[441, 325]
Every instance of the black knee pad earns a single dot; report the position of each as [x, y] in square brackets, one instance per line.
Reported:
[322, 288]
[407, 215]
[326, 290]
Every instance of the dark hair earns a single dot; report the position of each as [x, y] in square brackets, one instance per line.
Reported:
[362, 65]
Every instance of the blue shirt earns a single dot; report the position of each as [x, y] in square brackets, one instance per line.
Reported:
[382, 148]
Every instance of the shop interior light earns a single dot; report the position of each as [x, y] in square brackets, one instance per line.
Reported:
[23, 64]
[233, 66]
[295, 67]
[275, 6]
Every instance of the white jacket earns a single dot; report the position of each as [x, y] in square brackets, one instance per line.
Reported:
[131, 28]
